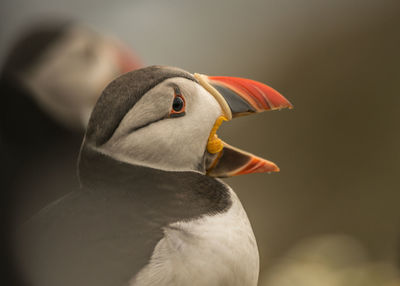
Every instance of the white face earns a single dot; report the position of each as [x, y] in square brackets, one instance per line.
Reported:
[72, 74]
[147, 136]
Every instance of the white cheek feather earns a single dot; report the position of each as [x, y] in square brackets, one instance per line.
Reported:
[172, 144]
[213, 250]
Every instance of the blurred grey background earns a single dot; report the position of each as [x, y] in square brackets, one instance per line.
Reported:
[336, 61]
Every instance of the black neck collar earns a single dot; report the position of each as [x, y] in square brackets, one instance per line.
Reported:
[178, 195]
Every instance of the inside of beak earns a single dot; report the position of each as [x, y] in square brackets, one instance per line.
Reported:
[227, 161]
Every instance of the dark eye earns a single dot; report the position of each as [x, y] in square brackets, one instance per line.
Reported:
[178, 104]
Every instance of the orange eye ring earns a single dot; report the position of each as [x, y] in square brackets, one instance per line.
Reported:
[178, 105]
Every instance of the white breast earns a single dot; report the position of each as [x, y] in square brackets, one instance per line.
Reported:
[213, 250]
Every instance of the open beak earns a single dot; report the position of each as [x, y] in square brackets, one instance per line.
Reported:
[238, 97]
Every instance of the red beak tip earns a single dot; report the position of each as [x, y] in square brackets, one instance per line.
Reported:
[270, 169]
[275, 168]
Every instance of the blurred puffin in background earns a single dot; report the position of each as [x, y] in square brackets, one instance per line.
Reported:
[151, 210]
[50, 81]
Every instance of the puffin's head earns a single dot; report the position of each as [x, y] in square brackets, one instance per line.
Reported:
[167, 118]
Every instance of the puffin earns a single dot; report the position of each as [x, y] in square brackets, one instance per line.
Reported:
[152, 209]
[49, 83]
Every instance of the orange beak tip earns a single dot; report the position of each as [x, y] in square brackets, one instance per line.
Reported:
[274, 169]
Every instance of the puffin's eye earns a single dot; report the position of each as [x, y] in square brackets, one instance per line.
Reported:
[178, 105]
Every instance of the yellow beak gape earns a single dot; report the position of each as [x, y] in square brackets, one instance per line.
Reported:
[214, 144]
